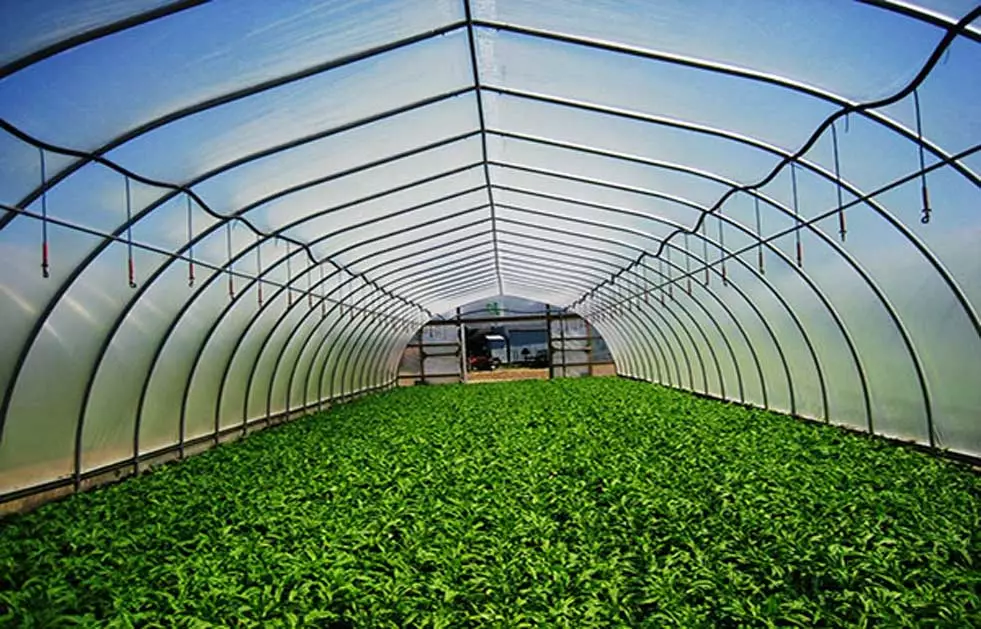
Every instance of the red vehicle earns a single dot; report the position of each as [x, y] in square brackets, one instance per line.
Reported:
[483, 363]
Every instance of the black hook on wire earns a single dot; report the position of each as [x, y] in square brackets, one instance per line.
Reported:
[924, 192]
[45, 266]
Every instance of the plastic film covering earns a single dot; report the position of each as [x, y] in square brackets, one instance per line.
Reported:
[215, 217]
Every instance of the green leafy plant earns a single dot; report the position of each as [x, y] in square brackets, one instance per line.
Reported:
[572, 503]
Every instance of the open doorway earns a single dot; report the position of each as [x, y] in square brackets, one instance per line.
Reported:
[505, 339]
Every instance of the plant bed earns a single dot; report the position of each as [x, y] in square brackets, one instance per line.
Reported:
[566, 503]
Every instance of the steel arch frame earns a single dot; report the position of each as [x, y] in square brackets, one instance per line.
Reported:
[356, 244]
[179, 316]
[720, 302]
[962, 301]
[835, 247]
[258, 314]
[286, 313]
[526, 271]
[764, 282]
[749, 302]
[963, 30]
[705, 311]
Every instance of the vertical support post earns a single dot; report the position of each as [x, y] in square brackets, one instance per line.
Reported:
[422, 353]
[589, 347]
[562, 341]
[462, 345]
[548, 338]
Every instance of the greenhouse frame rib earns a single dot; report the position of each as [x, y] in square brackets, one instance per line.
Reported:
[710, 321]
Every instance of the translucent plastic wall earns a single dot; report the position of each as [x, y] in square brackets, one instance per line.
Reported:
[218, 215]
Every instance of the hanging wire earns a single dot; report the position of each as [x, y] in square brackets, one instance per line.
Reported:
[797, 242]
[759, 234]
[309, 275]
[667, 263]
[647, 280]
[925, 193]
[167, 253]
[323, 293]
[340, 295]
[687, 265]
[353, 288]
[289, 275]
[722, 251]
[190, 241]
[705, 250]
[258, 266]
[228, 250]
[841, 212]
[45, 266]
[662, 279]
[130, 264]
[349, 289]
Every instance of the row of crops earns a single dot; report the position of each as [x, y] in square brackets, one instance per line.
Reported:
[570, 503]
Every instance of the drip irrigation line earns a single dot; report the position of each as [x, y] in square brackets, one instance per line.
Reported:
[824, 215]
[160, 251]
[910, 88]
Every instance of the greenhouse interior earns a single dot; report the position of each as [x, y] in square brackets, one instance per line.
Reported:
[225, 223]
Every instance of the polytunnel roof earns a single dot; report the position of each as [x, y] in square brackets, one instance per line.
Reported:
[210, 205]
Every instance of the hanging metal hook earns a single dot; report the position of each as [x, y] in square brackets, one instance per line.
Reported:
[131, 265]
[841, 211]
[228, 247]
[190, 241]
[924, 192]
[45, 272]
